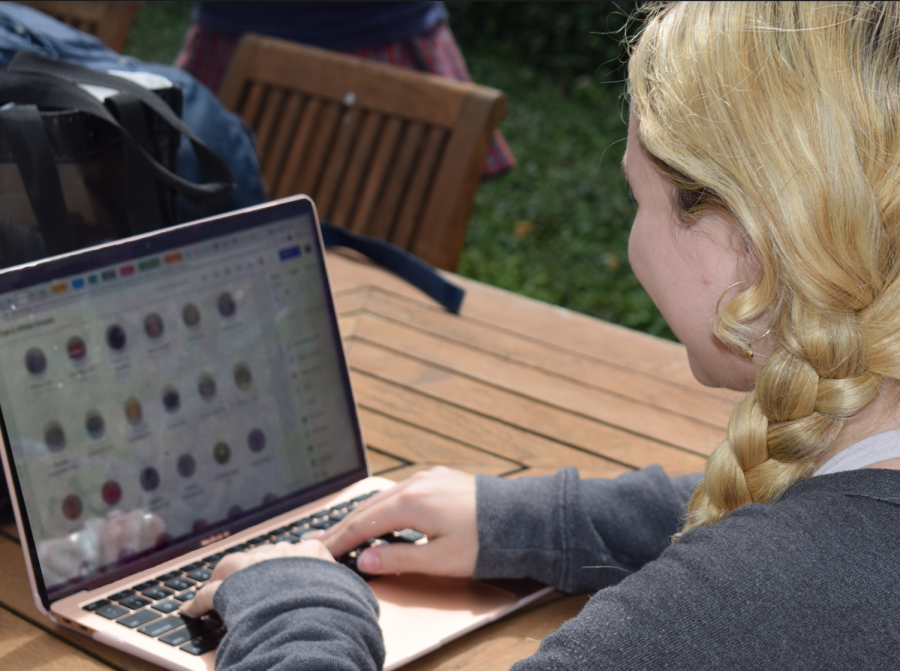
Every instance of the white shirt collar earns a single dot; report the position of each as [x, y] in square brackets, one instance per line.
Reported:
[868, 451]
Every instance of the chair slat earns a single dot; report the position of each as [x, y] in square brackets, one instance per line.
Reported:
[109, 21]
[398, 176]
[409, 218]
[270, 112]
[356, 167]
[449, 205]
[393, 91]
[283, 133]
[293, 163]
[311, 174]
[334, 164]
[249, 110]
[377, 172]
[403, 164]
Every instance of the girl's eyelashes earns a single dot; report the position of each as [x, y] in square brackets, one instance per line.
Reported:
[632, 201]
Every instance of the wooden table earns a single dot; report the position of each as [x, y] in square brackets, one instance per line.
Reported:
[510, 387]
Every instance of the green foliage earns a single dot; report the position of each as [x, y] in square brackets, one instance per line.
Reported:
[158, 31]
[556, 228]
[564, 39]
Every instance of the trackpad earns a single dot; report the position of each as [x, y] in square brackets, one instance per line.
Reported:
[420, 612]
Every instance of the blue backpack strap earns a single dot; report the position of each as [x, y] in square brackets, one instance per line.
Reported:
[400, 262]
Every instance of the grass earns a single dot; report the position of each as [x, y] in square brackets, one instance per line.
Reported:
[555, 228]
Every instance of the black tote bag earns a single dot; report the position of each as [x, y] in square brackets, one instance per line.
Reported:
[75, 171]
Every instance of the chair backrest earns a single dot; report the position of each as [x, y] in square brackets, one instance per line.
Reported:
[385, 151]
[110, 21]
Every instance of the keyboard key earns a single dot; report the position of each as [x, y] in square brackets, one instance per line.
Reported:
[259, 540]
[178, 637]
[186, 596]
[286, 539]
[200, 575]
[214, 636]
[144, 586]
[280, 531]
[180, 584]
[337, 516]
[156, 593]
[124, 594]
[137, 619]
[134, 602]
[165, 577]
[198, 647]
[214, 558]
[97, 605]
[191, 567]
[238, 548]
[111, 612]
[163, 626]
[321, 524]
[349, 559]
[166, 607]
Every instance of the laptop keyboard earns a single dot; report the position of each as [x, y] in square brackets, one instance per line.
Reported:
[150, 606]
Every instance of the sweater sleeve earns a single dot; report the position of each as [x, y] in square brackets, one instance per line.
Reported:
[295, 608]
[577, 535]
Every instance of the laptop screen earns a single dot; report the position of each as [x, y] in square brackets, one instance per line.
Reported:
[168, 388]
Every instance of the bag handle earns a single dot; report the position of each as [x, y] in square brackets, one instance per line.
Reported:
[31, 148]
[45, 90]
[213, 167]
[141, 193]
[396, 259]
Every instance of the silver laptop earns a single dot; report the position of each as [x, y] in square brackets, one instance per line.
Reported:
[174, 397]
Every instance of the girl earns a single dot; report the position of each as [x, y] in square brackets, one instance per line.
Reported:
[764, 154]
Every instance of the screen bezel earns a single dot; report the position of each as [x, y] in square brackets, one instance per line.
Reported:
[129, 250]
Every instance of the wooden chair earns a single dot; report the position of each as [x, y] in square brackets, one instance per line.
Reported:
[389, 152]
[110, 21]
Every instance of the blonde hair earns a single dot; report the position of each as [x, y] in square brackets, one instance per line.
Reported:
[784, 117]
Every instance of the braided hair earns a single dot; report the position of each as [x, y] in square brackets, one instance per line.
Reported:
[784, 118]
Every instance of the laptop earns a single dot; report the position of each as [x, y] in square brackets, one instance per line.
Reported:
[174, 397]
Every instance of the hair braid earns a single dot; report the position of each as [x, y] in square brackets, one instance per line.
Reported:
[782, 118]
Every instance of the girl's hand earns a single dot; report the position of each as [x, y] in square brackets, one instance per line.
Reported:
[203, 602]
[439, 503]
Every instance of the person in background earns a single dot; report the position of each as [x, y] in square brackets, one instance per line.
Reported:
[764, 154]
[412, 35]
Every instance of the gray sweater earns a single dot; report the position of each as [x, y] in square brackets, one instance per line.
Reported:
[810, 582]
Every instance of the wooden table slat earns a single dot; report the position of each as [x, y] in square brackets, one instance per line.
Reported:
[535, 320]
[516, 442]
[381, 463]
[701, 405]
[9, 530]
[24, 646]
[600, 404]
[587, 433]
[415, 445]
[352, 301]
